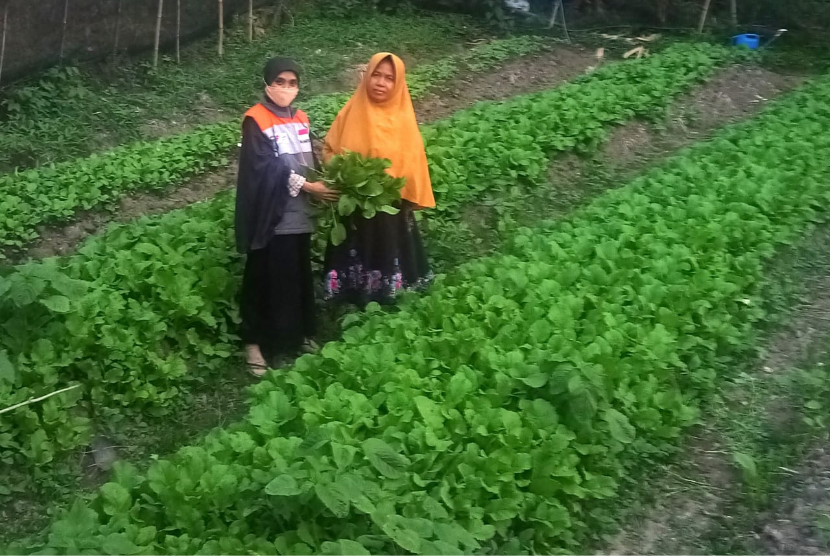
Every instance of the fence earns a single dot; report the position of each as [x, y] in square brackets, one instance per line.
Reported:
[40, 33]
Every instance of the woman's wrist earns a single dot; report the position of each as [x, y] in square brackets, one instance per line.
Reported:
[296, 182]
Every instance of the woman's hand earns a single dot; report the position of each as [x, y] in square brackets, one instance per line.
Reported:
[320, 191]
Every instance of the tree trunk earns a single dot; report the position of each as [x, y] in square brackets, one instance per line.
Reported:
[250, 20]
[117, 28]
[733, 8]
[158, 34]
[63, 31]
[3, 38]
[178, 31]
[221, 29]
[703, 16]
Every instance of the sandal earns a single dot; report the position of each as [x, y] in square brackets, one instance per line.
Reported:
[257, 369]
[310, 347]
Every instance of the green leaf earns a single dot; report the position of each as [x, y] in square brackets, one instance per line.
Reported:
[384, 458]
[430, 411]
[8, 374]
[146, 536]
[148, 249]
[345, 548]
[343, 454]
[541, 330]
[823, 522]
[117, 499]
[747, 464]
[372, 188]
[57, 303]
[119, 543]
[338, 234]
[369, 211]
[389, 209]
[396, 527]
[333, 496]
[619, 426]
[459, 387]
[434, 509]
[346, 205]
[5, 286]
[283, 485]
[454, 534]
[536, 380]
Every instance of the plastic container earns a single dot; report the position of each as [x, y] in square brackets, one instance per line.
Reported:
[749, 40]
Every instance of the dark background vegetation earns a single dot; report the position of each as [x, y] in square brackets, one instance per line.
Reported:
[35, 30]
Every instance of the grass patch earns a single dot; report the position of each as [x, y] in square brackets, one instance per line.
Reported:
[75, 111]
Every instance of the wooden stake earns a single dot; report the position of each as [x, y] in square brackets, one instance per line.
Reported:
[221, 28]
[250, 20]
[117, 29]
[556, 5]
[703, 15]
[63, 31]
[178, 31]
[158, 34]
[733, 7]
[3, 39]
[40, 399]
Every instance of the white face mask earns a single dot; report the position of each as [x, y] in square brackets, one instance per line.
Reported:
[282, 96]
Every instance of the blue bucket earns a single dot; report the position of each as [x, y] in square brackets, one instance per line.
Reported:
[749, 40]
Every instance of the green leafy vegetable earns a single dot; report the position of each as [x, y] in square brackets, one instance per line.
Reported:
[436, 394]
[365, 189]
[152, 306]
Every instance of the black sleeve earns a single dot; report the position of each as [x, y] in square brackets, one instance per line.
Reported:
[261, 189]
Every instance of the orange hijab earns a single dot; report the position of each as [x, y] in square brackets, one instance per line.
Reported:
[387, 130]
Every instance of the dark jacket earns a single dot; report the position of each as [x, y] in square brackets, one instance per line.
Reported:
[275, 142]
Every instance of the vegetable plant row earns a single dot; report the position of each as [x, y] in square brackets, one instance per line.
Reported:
[512, 142]
[56, 193]
[501, 412]
[146, 306]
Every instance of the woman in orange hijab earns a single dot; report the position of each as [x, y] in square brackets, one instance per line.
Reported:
[383, 254]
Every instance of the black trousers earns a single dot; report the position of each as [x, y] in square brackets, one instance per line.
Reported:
[277, 303]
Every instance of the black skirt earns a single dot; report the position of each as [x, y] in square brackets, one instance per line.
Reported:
[277, 305]
[380, 257]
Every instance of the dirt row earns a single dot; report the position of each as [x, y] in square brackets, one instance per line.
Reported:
[698, 504]
[800, 522]
[695, 502]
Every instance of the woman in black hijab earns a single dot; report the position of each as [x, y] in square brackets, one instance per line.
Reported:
[273, 221]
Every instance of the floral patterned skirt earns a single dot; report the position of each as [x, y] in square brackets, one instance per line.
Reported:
[381, 257]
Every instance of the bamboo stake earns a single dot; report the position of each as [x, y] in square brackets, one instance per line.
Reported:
[158, 34]
[557, 4]
[40, 399]
[178, 31]
[250, 20]
[3, 39]
[703, 16]
[733, 8]
[117, 29]
[221, 29]
[63, 31]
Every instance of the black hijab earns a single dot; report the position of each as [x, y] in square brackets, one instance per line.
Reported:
[275, 66]
[262, 182]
